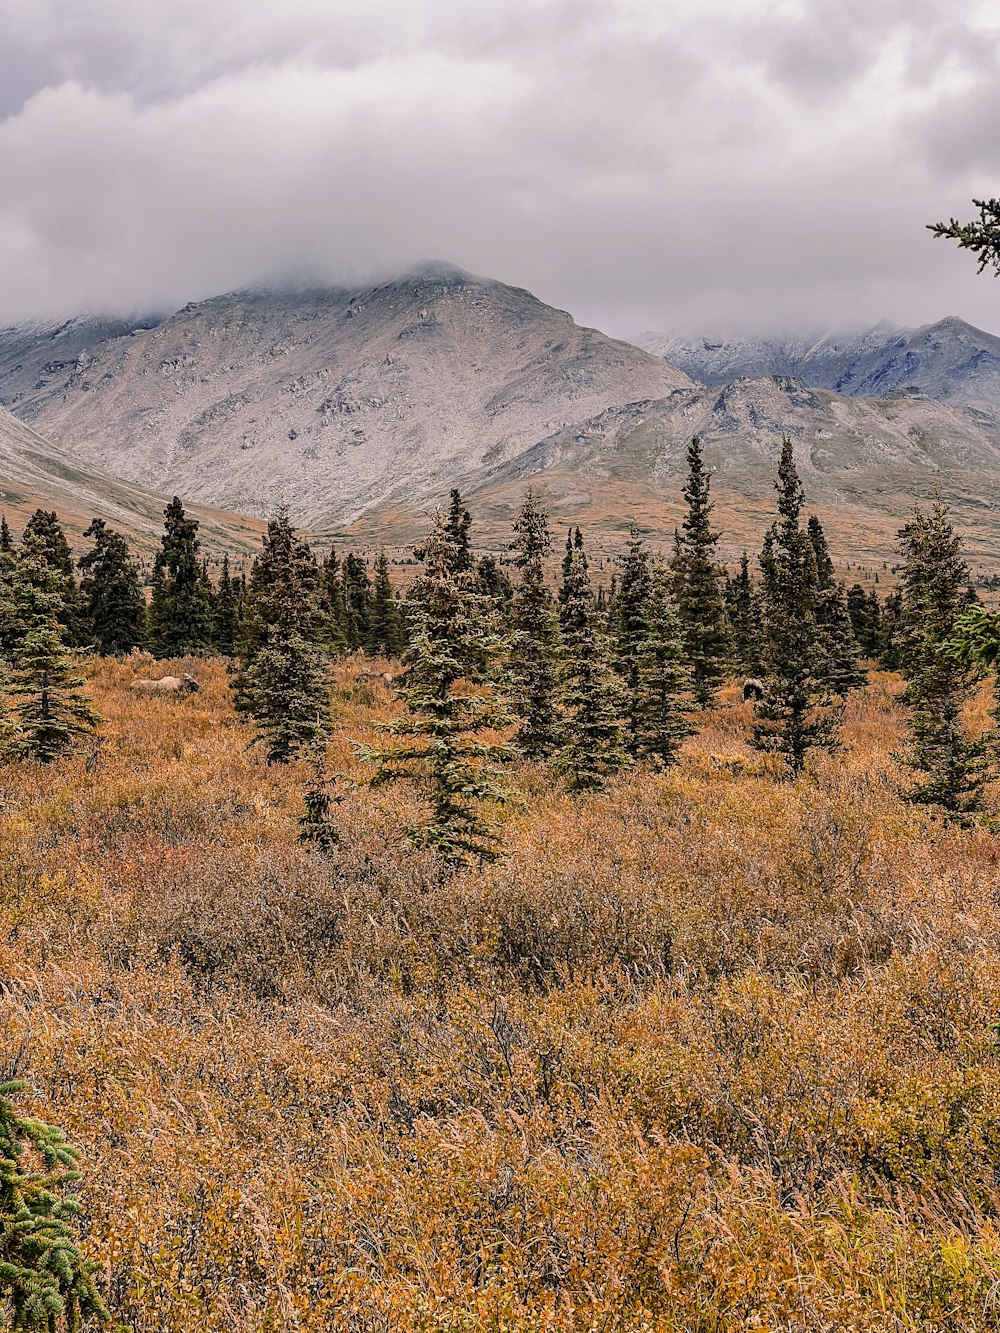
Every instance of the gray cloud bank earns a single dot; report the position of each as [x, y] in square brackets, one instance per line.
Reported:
[697, 164]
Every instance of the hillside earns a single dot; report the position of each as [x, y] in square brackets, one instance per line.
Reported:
[332, 401]
[34, 473]
[863, 462]
[949, 361]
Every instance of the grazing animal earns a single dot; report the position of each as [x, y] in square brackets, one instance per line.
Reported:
[185, 684]
[366, 677]
[753, 689]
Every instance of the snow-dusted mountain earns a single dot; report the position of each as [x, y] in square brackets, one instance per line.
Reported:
[950, 360]
[333, 401]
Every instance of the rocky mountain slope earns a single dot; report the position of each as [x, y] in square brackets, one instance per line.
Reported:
[863, 462]
[332, 401]
[34, 473]
[949, 360]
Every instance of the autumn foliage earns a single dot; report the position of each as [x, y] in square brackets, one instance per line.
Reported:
[707, 1051]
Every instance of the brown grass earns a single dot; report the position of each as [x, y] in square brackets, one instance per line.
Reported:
[707, 1052]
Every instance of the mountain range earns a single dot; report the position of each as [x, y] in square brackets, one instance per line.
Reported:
[361, 408]
[949, 360]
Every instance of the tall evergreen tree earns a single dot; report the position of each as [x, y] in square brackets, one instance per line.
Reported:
[934, 583]
[631, 607]
[698, 583]
[46, 548]
[6, 540]
[446, 746]
[112, 605]
[385, 623]
[665, 682]
[865, 612]
[795, 715]
[595, 740]
[841, 670]
[181, 611]
[357, 593]
[458, 523]
[228, 612]
[534, 644]
[281, 681]
[333, 604]
[743, 609]
[49, 708]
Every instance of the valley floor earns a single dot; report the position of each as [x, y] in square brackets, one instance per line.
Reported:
[707, 1052]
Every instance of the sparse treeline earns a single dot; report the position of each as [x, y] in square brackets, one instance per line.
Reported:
[548, 668]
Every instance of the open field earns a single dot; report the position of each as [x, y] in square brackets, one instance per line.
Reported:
[708, 1052]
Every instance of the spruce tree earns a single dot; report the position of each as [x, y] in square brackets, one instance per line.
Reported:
[45, 1283]
[594, 736]
[935, 594]
[841, 669]
[534, 643]
[228, 612]
[46, 548]
[698, 584]
[281, 681]
[631, 608]
[357, 594]
[665, 682]
[743, 609]
[445, 745]
[6, 540]
[49, 709]
[112, 605]
[181, 611]
[385, 622]
[458, 523]
[333, 605]
[865, 612]
[795, 715]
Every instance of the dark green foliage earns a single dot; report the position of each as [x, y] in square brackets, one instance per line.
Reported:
[795, 716]
[892, 628]
[333, 605]
[594, 737]
[385, 622]
[534, 643]
[44, 547]
[458, 522]
[452, 641]
[981, 237]
[112, 605]
[494, 582]
[631, 624]
[181, 612]
[977, 636]
[950, 763]
[228, 612]
[698, 584]
[45, 1283]
[316, 827]
[6, 541]
[48, 706]
[357, 598]
[865, 612]
[664, 684]
[841, 670]
[282, 677]
[743, 609]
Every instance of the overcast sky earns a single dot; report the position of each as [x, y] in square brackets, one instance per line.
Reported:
[646, 164]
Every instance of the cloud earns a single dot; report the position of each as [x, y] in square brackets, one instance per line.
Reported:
[686, 166]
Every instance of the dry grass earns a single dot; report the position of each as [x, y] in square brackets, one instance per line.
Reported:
[708, 1052]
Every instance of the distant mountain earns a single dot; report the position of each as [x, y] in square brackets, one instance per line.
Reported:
[34, 473]
[333, 401]
[863, 462]
[949, 361]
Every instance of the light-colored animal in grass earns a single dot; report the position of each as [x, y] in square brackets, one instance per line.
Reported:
[185, 684]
